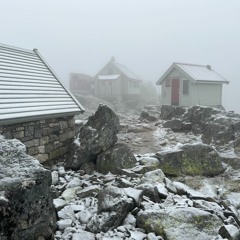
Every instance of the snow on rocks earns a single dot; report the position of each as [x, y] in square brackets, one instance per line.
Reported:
[143, 206]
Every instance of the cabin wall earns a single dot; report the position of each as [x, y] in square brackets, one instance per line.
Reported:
[45, 140]
[206, 94]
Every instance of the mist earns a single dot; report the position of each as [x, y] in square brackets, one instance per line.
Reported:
[146, 36]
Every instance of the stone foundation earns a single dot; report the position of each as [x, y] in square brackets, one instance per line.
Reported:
[46, 139]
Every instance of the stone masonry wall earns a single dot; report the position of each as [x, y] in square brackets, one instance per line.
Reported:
[46, 139]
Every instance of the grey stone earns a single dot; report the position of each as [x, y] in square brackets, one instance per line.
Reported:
[180, 223]
[90, 191]
[135, 194]
[191, 159]
[229, 231]
[175, 125]
[115, 159]
[66, 213]
[113, 207]
[153, 177]
[75, 182]
[26, 204]
[54, 177]
[83, 235]
[62, 224]
[96, 136]
[59, 203]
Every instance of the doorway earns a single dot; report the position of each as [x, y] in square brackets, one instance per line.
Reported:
[175, 92]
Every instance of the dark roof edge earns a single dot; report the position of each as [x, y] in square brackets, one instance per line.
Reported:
[37, 118]
[54, 74]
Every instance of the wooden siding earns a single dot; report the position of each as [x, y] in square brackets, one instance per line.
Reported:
[29, 89]
[207, 94]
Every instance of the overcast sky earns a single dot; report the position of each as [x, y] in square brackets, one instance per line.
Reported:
[145, 35]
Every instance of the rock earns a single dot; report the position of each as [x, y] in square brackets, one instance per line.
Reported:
[229, 231]
[151, 236]
[54, 177]
[162, 191]
[70, 193]
[96, 136]
[66, 213]
[237, 146]
[75, 182]
[169, 185]
[88, 167]
[115, 159]
[113, 207]
[59, 203]
[153, 177]
[26, 206]
[84, 216]
[91, 191]
[180, 223]
[145, 115]
[83, 235]
[169, 112]
[62, 224]
[135, 194]
[150, 191]
[175, 125]
[191, 159]
[151, 163]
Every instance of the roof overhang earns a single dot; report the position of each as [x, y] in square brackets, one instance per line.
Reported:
[109, 77]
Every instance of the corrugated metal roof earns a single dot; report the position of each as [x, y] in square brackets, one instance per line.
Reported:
[108, 77]
[126, 71]
[198, 73]
[29, 89]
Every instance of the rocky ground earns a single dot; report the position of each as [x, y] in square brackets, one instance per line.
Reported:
[151, 200]
[168, 175]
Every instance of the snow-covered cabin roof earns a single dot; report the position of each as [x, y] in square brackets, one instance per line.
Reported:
[126, 71]
[108, 77]
[195, 72]
[29, 89]
[123, 69]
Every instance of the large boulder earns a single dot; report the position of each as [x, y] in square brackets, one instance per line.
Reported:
[96, 136]
[170, 112]
[180, 223]
[176, 125]
[26, 205]
[191, 159]
[145, 115]
[115, 159]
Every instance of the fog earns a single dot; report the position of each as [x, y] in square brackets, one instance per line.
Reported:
[145, 35]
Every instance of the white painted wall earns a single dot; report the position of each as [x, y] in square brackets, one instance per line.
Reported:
[133, 87]
[206, 94]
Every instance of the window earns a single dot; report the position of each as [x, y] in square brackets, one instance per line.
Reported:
[168, 83]
[185, 86]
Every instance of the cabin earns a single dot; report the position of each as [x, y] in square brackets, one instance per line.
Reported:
[35, 106]
[81, 84]
[116, 83]
[191, 84]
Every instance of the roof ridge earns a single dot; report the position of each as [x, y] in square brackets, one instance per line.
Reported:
[191, 64]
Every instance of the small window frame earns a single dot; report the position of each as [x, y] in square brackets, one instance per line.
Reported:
[168, 82]
[185, 87]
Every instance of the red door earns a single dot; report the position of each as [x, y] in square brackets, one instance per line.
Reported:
[175, 92]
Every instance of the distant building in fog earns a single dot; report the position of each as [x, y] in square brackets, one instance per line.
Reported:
[191, 84]
[81, 83]
[115, 82]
